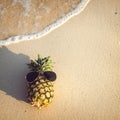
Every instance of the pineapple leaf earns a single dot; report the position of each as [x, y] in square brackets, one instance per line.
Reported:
[41, 64]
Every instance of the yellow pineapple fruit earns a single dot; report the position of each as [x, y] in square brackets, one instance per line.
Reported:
[41, 82]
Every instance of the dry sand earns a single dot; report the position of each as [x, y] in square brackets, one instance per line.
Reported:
[87, 54]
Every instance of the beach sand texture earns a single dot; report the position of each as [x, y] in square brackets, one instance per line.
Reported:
[86, 51]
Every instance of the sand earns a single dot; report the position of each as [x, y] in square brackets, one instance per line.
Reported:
[86, 50]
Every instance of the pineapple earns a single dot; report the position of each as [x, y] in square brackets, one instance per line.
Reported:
[40, 81]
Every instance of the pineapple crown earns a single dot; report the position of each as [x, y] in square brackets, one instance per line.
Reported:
[41, 64]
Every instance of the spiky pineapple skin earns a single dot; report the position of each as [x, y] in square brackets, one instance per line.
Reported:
[40, 92]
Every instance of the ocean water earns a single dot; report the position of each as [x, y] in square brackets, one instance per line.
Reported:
[46, 30]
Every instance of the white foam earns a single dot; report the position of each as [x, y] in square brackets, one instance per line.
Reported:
[47, 29]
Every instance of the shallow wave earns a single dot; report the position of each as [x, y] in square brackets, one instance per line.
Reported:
[47, 29]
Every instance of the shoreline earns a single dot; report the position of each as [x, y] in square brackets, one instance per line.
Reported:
[15, 39]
